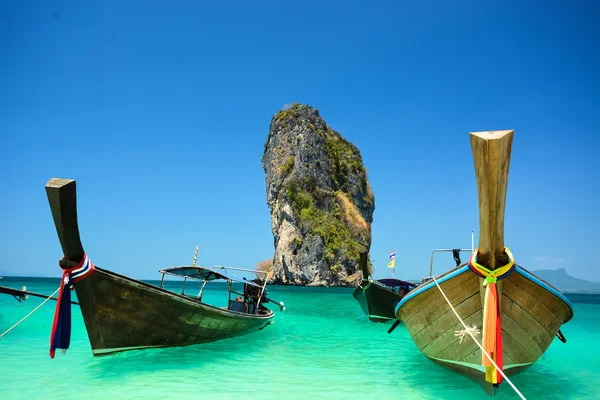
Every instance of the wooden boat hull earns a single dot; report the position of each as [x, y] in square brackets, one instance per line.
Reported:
[377, 301]
[532, 312]
[122, 314]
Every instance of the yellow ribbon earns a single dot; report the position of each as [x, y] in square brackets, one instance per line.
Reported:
[492, 276]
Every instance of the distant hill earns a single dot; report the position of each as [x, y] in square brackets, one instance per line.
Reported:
[567, 283]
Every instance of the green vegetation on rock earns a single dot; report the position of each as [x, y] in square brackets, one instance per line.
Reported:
[339, 242]
[345, 158]
[286, 114]
[289, 165]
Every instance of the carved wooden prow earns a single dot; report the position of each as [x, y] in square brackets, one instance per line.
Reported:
[62, 196]
[491, 153]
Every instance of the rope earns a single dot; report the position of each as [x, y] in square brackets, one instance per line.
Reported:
[475, 340]
[27, 316]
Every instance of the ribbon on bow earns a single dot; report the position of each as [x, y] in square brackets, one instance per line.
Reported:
[60, 337]
[492, 327]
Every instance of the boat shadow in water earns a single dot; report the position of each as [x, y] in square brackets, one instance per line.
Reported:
[543, 382]
[536, 382]
[194, 358]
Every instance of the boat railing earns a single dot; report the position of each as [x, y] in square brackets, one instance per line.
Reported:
[256, 272]
[442, 251]
[230, 281]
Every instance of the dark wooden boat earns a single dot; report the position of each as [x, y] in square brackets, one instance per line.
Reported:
[528, 311]
[121, 313]
[378, 298]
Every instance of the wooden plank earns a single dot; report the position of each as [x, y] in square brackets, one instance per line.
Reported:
[446, 320]
[538, 332]
[434, 309]
[414, 305]
[458, 350]
[545, 316]
[448, 338]
[514, 349]
[553, 303]
[475, 356]
[491, 155]
[522, 336]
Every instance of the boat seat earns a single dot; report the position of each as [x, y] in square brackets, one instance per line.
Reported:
[237, 306]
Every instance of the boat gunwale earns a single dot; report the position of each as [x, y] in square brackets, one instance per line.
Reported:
[460, 270]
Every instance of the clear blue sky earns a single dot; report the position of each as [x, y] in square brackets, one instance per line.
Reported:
[160, 111]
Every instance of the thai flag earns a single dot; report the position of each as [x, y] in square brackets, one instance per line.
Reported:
[393, 255]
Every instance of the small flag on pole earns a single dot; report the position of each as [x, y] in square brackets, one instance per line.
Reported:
[195, 256]
[392, 259]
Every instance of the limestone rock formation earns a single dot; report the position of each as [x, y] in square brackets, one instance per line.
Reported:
[320, 200]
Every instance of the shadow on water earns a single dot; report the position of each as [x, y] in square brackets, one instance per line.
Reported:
[169, 359]
[540, 382]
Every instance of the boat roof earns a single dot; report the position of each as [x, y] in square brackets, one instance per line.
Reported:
[203, 274]
[391, 282]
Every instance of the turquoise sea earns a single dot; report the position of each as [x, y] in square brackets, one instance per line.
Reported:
[321, 347]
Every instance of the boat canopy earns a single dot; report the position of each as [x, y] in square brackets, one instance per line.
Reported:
[203, 274]
[392, 282]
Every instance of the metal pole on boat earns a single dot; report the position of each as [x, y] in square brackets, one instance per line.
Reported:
[201, 290]
[262, 290]
[472, 241]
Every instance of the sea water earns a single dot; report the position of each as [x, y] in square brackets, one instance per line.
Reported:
[321, 347]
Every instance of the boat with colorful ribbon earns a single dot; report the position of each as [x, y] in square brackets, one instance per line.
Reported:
[121, 313]
[488, 318]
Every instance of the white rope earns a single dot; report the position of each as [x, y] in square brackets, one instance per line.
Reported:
[475, 340]
[27, 316]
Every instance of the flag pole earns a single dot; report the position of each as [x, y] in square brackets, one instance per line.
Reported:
[195, 256]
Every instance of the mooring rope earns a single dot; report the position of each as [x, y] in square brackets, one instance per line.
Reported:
[468, 330]
[28, 315]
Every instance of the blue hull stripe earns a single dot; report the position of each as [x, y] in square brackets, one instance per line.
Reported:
[555, 292]
[429, 286]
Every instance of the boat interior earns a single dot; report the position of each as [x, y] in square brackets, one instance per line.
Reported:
[243, 296]
[397, 285]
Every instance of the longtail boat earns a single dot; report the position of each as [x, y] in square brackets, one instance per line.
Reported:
[513, 314]
[121, 313]
[378, 298]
